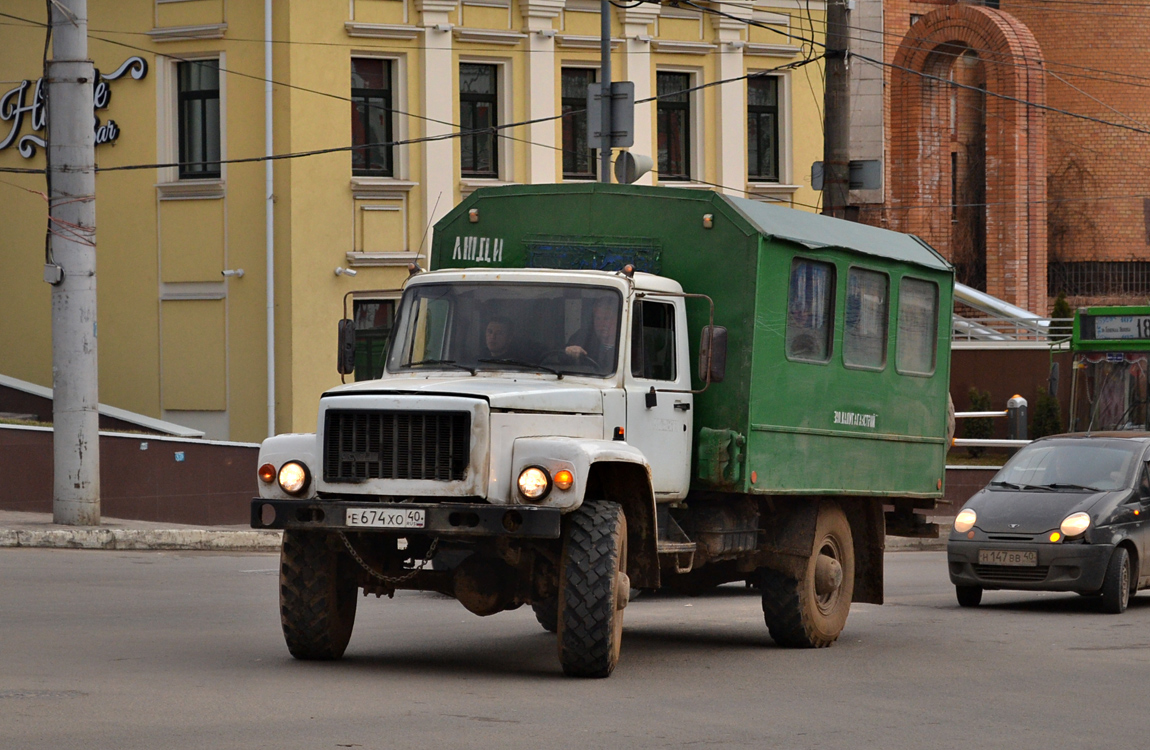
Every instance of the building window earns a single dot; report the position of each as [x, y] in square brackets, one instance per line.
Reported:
[810, 311]
[371, 117]
[373, 321]
[198, 100]
[578, 160]
[864, 335]
[674, 122]
[917, 326]
[478, 94]
[763, 128]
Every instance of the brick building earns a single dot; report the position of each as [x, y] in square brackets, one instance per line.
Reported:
[1026, 201]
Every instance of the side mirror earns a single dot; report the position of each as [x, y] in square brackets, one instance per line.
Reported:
[713, 348]
[345, 362]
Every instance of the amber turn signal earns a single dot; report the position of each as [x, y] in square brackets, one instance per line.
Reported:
[564, 479]
[267, 473]
[1055, 536]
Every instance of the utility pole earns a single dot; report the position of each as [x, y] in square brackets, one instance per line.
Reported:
[71, 267]
[605, 91]
[836, 111]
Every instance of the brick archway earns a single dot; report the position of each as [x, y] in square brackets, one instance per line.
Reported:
[921, 191]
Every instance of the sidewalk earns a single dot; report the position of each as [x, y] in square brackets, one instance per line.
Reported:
[37, 530]
[19, 529]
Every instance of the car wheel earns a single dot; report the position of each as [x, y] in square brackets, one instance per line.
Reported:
[812, 611]
[593, 589]
[1116, 585]
[968, 596]
[317, 595]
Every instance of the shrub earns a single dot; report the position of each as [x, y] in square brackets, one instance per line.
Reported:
[978, 428]
[1046, 419]
[1061, 309]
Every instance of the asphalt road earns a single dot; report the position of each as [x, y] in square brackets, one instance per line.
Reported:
[183, 650]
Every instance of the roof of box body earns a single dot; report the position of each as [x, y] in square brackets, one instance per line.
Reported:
[810, 230]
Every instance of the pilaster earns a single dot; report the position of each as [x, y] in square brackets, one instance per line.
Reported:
[437, 93]
[731, 99]
[637, 68]
[538, 22]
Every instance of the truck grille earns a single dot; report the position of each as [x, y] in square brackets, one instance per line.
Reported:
[362, 445]
[1007, 573]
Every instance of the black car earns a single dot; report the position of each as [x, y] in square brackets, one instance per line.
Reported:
[1066, 513]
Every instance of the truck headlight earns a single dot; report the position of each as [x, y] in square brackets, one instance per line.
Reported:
[1075, 524]
[294, 477]
[965, 520]
[534, 483]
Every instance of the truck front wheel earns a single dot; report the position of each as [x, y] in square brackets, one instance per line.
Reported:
[812, 611]
[593, 589]
[317, 595]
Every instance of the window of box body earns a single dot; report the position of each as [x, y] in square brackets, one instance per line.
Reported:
[917, 337]
[372, 117]
[579, 161]
[192, 117]
[866, 315]
[482, 84]
[676, 127]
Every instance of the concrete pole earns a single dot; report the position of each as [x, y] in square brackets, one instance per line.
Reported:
[605, 98]
[837, 112]
[72, 209]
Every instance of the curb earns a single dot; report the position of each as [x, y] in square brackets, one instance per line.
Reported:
[141, 539]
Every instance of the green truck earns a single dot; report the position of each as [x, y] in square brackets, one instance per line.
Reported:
[602, 388]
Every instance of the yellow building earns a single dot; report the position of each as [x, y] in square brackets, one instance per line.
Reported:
[183, 335]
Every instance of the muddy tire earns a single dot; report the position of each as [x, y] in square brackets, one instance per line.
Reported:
[317, 595]
[593, 589]
[1116, 584]
[547, 613]
[968, 596]
[812, 611]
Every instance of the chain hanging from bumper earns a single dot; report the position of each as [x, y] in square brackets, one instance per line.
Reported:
[392, 581]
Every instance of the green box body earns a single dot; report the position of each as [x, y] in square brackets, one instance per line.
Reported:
[770, 427]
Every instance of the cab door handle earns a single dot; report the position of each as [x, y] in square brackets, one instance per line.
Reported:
[683, 406]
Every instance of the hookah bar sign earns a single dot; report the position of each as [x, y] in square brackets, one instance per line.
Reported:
[15, 104]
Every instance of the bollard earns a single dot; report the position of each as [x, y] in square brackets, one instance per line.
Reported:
[1016, 418]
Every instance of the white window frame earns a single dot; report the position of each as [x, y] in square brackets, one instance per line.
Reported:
[400, 157]
[697, 119]
[785, 187]
[505, 165]
[168, 121]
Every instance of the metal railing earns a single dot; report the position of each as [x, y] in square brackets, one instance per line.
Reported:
[1015, 412]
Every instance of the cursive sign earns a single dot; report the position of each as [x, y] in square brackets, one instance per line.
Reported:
[15, 105]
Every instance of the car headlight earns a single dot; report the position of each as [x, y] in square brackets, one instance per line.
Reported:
[534, 483]
[1075, 524]
[294, 477]
[964, 521]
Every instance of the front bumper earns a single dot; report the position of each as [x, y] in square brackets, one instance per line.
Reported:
[1061, 567]
[441, 519]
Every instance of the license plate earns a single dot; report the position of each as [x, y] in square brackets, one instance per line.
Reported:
[389, 518]
[1007, 557]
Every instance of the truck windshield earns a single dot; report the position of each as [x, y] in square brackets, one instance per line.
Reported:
[1078, 463]
[566, 329]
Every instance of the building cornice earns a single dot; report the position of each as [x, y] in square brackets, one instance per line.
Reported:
[368, 260]
[184, 33]
[541, 8]
[366, 188]
[381, 30]
[770, 50]
[488, 36]
[572, 41]
[683, 48]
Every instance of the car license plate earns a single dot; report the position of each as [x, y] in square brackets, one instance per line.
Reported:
[386, 518]
[1007, 557]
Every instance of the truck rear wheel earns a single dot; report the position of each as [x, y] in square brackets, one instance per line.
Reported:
[547, 613]
[317, 595]
[593, 589]
[812, 611]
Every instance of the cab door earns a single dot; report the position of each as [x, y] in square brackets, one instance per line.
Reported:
[659, 424]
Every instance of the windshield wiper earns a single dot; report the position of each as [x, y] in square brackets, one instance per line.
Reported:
[1066, 486]
[1014, 486]
[520, 363]
[437, 362]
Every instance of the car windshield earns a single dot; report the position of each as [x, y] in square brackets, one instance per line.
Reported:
[520, 327]
[1083, 464]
